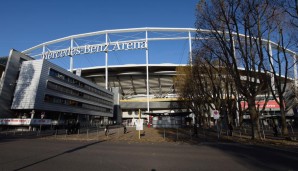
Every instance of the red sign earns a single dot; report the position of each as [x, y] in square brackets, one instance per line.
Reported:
[271, 104]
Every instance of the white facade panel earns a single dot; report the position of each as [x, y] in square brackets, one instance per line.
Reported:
[31, 91]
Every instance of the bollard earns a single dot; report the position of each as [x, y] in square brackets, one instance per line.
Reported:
[118, 132]
[293, 132]
[87, 134]
[177, 133]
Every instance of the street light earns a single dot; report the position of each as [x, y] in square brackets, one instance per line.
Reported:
[41, 116]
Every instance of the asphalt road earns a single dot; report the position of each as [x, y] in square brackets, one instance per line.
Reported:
[47, 154]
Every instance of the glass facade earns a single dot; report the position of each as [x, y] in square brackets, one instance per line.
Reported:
[58, 100]
[72, 92]
[80, 84]
[69, 91]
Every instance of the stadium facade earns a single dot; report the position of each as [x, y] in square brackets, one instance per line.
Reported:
[131, 81]
[32, 86]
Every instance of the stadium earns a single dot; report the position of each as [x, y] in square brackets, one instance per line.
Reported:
[141, 87]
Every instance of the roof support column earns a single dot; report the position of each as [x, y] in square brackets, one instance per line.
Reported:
[295, 72]
[147, 72]
[234, 49]
[43, 51]
[71, 58]
[271, 66]
[190, 48]
[106, 52]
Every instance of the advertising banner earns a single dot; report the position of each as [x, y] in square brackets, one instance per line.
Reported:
[271, 104]
[25, 122]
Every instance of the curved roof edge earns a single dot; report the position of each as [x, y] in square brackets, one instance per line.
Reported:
[169, 29]
[133, 65]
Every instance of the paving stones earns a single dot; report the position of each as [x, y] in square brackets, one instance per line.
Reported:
[167, 135]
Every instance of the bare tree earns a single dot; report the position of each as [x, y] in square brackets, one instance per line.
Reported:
[190, 94]
[282, 29]
[236, 40]
[205, 85]
[218, 87]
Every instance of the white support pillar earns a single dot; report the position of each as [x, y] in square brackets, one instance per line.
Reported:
[271, 66]
[70, 56]
[295, 71]
[234, 49]
[43, 51]
[106, 63]
[190, 48]
[147, 72]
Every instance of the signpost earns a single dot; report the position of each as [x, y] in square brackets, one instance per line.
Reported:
[216, 116]
[139, 124]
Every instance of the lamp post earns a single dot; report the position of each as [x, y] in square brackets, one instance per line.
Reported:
[31, 117]
[41, 116]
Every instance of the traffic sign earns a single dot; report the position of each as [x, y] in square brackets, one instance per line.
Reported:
[216, 114]
[139, 124]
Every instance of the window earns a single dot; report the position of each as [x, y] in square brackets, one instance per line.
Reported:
[53, 73]
[58, 100]
[67, 90]
[61, 76]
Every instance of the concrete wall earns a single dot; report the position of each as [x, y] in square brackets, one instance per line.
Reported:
[8, 81]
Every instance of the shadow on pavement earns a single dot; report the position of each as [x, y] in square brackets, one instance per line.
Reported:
[18, 135]
[65, 152]
[264, 158]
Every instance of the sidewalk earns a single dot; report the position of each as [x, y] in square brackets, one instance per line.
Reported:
[155, 135]
[150, 135]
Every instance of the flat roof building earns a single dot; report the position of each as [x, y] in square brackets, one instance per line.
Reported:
[43, 88]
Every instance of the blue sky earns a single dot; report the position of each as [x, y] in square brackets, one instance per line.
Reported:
[26, 23]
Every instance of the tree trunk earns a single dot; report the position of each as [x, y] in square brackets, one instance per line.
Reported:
[195, 127]
[255, 125]
[255, 129]
[240, 118]
[284, 128]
